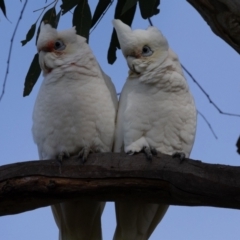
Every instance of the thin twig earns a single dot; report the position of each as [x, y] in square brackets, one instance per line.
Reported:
[201, 88]
[110, 4]
[40, 15]
[43, 8]
[10, 50]
[209, 125]
[207, 95]
[150, 21]
[204, 118]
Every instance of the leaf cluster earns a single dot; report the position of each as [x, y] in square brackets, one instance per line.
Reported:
[84, 21]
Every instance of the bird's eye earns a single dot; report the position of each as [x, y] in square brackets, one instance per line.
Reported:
[146, 51]
[59, 45]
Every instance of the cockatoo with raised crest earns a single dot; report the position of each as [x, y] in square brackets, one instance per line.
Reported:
[156, 113]
[74, 114]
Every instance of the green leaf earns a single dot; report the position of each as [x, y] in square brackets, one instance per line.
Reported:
[48, 17]
[114, 44]
[67, 5]
[32, 76]
[129, 4]
[149, 8]
[55, 25]
[82, 18]
[127, 18]
[99, 11]
[2, 6]
[29, 35]
[34, 69]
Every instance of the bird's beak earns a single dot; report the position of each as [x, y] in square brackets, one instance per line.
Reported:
[131, 65]
[42, 63]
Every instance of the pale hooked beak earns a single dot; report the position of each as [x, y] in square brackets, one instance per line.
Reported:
[42, 63]
[130, 62]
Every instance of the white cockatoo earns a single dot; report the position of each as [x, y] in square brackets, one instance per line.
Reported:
[74, 114]
[156, 113]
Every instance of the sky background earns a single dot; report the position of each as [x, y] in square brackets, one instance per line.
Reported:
[212, 62]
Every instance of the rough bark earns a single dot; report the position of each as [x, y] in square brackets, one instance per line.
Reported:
[28, 185]
[223, 16]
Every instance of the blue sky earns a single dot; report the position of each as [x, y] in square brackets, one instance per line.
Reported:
[213, 63]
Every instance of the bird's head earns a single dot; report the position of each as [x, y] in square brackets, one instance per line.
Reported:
[143, 49]
[57, 48]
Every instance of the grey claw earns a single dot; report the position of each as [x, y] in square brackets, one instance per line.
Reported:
[60, 158]
[180, 155]
[83, 154]
[62, 155]
[154, 151]
[148, 153]
[130, 153]
[59, 162]
[83, 159]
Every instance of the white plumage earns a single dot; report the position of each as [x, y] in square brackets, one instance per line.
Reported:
[74, 114]
[156, 112]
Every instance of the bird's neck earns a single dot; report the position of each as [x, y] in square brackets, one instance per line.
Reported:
[165, 74]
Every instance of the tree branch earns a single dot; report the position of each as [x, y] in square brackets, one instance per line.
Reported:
[223, 16]
[207, 95]
[110, 176]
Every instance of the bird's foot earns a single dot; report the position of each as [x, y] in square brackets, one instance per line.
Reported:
[180, 155]
[83, 154]
[154, 151]
[149, 152]
[61, 156]
[130, 153]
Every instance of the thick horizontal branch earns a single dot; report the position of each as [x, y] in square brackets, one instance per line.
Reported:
[110, 176]
[223, 16]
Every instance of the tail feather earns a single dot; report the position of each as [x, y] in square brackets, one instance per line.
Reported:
[137, 221]
[79, 220]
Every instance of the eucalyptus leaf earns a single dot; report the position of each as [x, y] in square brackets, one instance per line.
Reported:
[67, 5]
[3, 7]
[48, 17]
[32, 76]
[29, 35]
[129, 4]
[149, 8]
[99, 11]
[126, 17]
[82, 18]
[55, 25]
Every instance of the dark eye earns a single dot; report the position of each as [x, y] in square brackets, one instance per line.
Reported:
[59, 45]
[146, 51]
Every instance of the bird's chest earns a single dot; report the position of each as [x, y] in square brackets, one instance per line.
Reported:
[155, 113]
[146, 105]
[67, 108]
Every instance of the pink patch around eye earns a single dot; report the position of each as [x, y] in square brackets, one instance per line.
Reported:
[49, 47]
